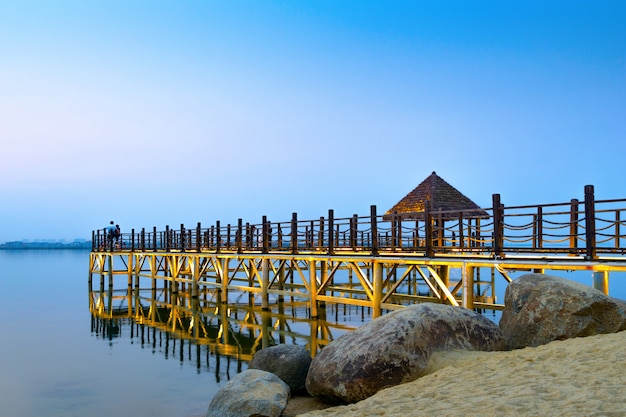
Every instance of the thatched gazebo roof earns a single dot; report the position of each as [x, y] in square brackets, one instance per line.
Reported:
[440, 194]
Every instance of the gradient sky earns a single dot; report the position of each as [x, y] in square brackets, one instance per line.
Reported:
[155, 113]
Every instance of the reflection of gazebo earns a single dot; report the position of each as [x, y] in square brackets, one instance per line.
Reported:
[441, 197]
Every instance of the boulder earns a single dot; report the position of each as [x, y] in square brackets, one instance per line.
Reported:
[250, 393]
[622, 305]
[394, 349]
[541, 308]
[288, 362]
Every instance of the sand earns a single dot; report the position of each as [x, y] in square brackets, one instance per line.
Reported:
[575, 377]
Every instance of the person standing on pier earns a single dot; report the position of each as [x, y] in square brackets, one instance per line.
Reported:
[117, 232]
[110, 231]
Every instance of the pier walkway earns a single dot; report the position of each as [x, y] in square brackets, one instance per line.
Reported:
[464, 257]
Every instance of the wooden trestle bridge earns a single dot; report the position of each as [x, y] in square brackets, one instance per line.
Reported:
[462, 258]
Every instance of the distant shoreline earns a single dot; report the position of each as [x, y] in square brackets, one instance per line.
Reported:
[45, 245]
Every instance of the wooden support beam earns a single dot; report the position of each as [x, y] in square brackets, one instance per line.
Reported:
[313, 287]
[468, 286]
[378, 289]
[265, 280]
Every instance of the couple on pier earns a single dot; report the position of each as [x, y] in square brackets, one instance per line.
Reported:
[113, 232]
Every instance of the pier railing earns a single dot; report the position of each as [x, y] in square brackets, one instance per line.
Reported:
[590, 229]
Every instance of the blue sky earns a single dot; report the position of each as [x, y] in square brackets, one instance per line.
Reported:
[160, 112]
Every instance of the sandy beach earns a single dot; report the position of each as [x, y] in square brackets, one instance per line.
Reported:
[575, 377]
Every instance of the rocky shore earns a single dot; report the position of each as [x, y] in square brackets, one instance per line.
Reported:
[584, 376]
[559, 349]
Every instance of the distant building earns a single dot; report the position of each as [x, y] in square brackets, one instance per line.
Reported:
[47, 244]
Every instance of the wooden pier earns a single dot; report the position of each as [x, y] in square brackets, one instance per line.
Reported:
[379, 262]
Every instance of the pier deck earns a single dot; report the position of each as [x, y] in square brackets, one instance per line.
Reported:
[380, 262]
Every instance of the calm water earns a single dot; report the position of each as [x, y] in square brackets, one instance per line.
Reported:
[53, 363]
[58, 360]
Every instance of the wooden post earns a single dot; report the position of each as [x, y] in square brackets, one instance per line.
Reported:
[324, 267]
[353, 231]
[378, 289]
[137, 270]
[110, 265]
[573, 227]
[91, 269]
[439, 230]
[198, 237]
[129, 271]
[266, 329]
[313, 287]
[174, 269]
[239, 235]
[195, 269]
[617, 228]
[468, 286]
[374, 228]
[182, 237]
[110, 292]
[394, 234]
[498, 225]
[225, 324]
[294, 233]
[167, 238]
[461, 231]
[399, 231]
[314, 327]
[331, 230]
[311, 235]
[153, 268]
[590, 223]
[264, 233]
[102, 274]
[224, 280]
[539, 227]
[320, 234]
[281, 284]
[218, 237]
[154, 239]
[428, 229]
[265, 283]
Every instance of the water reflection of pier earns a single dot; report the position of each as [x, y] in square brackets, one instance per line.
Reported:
[198, 328]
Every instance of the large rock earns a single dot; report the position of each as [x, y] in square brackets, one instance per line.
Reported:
[288, 362]
[250, 393]
[394, 349]
[622, 304]
[541, 308]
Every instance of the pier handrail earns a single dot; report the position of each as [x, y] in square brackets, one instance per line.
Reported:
[587, 230]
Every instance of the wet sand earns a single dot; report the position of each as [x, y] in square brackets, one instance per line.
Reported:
[575, 377]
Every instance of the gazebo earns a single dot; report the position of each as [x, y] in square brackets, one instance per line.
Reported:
[441, 197]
